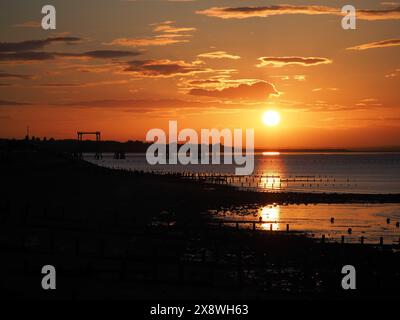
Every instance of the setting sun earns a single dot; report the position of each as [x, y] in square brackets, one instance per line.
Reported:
[271, 118]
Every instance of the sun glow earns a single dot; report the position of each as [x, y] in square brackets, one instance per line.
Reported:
[271, 118]
[271, 153]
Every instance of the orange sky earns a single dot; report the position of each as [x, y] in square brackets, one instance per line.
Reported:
[124, 67]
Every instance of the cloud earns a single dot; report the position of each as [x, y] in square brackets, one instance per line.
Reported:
[31, 45]
[108, 67]
[27, 56]
[107, 54]
[297, 77]
[60, 85]
[163, 68]
[218, 55]
[324, 89]
[101, 54]
[284, 61]
[42, 55]
[203, 82]
[144, 42]
[15, 76]
[377, 44]
[166, 34]
[390, 4]
[394, 74]
[30, 50]
[12, 103]
[369, 102]
[220, 80]
[256, 91]
[267, 11]
[167, 27]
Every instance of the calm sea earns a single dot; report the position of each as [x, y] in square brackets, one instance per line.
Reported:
[304, 172]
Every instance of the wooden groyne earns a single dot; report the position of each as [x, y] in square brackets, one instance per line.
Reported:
[261, 181]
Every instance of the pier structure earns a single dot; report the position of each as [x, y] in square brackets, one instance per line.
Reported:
[98, 154]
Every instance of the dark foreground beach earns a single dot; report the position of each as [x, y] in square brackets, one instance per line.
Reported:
[130, 235]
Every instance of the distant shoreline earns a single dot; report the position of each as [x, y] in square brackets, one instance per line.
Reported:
[88, 146]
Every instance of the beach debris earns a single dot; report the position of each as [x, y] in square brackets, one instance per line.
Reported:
[397, 224]
[388, 220]
[332, 220]
[349, 230]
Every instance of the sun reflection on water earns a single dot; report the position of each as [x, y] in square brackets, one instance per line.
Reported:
[271, 181]
[271, 214]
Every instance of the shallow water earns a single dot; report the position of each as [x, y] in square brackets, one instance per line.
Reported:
[301, 172]
[330, 172]
[367, 220]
